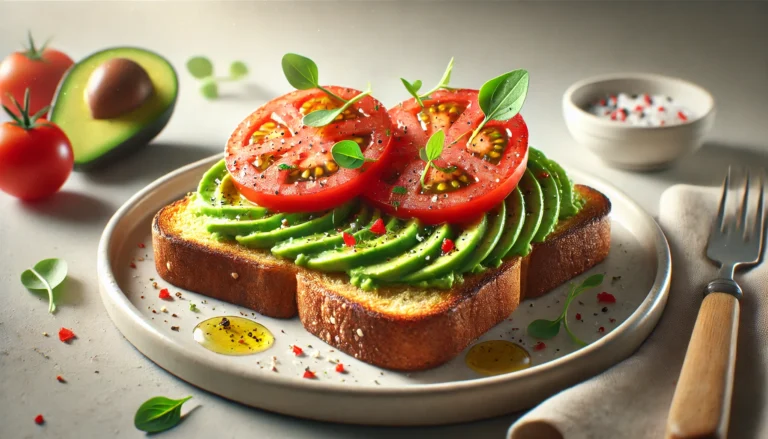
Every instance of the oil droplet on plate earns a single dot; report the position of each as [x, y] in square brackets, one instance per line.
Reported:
[232, 335]
[495, 357]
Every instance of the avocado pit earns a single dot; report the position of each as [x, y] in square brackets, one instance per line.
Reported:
[117, 87]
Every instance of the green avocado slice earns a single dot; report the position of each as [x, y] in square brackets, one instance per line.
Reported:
[330, 220]
[551, 194]
[229, 227]
[97, 141]
[567, 206]
[534, 199]
[513, 226]
[218, 197]
[498, 218]
[396, 241]
[318, 242]
[465, 244]
[406, 263]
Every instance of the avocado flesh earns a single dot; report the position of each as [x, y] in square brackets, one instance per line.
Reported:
[97, 141]
[497, 220]
[534, 200]
[326, 240]
[465, 244]
[397, 257]
[513, 225]
[564, 185]
[404, 264]
[368, 252]
[550, 211]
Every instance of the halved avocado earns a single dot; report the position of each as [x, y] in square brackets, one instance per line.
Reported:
[98, 141]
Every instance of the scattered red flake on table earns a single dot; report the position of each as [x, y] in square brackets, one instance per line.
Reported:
[682, 116]
[447, 246]
[164, 294]
[612, 320]
[308, 374]
[578, 316]
[66, 335]
[606, 298]
[539, 346]
[132, 265]
[349, 240]
[60, 379]
[141, 245]
[296, 350]
[601, 329]
[39, 420]
[340, 368]
[378, 227]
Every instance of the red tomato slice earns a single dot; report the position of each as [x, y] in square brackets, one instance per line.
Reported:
[486, 171]
[278, 162]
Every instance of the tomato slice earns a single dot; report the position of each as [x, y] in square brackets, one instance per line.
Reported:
[278, 162]
[486, 171]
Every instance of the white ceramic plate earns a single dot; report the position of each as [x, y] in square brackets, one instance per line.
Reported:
[367, 394]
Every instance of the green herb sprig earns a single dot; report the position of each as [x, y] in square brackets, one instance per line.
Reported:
[347, 154]
[302, 73]
[431, 152]
[546, 329]
[159, 414]
[501, 98]
[201, 68]
[45, 275]
[414, 87]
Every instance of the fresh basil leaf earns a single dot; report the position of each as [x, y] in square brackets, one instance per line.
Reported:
[416, 85]
[347, 154]
[446, 76]
[573, 336]
[544, 329]
[448, 170]
[209, 89]
[45, 275]
[237, 70]
[285, 167]
[159, 414]
[423, 154]
[412, 90]
[399, 190]
[321, 118]
[592, 281]
[300, 71]
[435, 145]
[501, 98]
[200, 67]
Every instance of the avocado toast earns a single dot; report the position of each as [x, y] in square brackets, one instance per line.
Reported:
[400, 239]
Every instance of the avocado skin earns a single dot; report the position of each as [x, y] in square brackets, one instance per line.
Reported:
[137, 141]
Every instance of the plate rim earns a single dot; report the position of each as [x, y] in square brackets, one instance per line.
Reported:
[650, 308]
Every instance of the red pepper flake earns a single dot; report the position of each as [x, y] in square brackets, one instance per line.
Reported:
[606, 298]
[132, 265]
[540, 346]
[349, 240]
[602, 102]
[612, 320]
[340, 368]
[447, 246]
[639, 108]
[601, 329]
[141, 245]
[297, 350]
[544, 174]
[308, 374]
[613, 115]
[378, 227]
[241, 341]
[647, 99]
[613, 99]
[682, 116]
[164, 294]
[663, 122]
[578, 316]
[39, 420]
[662, 109]
[60, 379]
[66, 335]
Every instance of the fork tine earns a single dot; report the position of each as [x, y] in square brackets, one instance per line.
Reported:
[720, 220]
[745, 204]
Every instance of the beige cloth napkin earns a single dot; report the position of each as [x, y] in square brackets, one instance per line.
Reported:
[632, 399]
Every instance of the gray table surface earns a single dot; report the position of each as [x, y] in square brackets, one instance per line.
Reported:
[719, 46]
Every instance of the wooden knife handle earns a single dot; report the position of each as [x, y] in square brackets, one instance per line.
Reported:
[702, 401]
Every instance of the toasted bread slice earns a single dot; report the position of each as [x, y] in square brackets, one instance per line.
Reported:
[402, 328]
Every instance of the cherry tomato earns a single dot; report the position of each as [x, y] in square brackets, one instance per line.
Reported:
[35, 156]
[37, 69]
[481, 174]
[278, 162]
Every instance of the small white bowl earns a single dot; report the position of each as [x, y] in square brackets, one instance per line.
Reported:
[639, 148]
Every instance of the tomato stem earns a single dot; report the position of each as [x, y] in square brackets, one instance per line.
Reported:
[24, 120]
[33, 52]
[332, 94]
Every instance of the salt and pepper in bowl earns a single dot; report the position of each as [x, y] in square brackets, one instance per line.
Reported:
[638, 121]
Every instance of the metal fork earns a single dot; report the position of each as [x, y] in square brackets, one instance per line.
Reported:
[702, 400]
